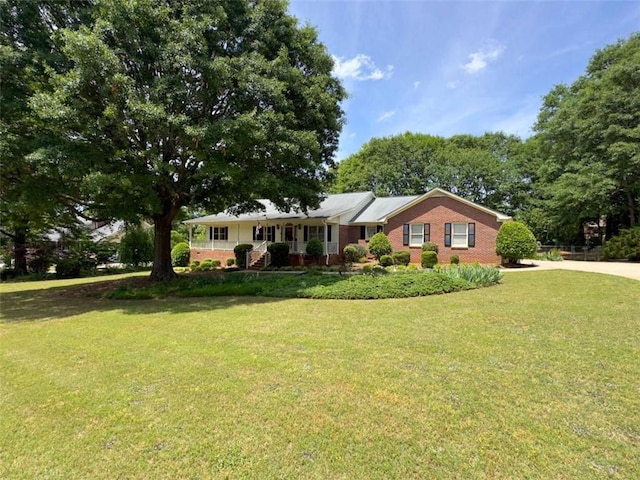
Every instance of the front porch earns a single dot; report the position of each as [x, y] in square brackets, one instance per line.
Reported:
[221, 239]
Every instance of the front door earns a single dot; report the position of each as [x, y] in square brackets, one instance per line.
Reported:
[290, 237]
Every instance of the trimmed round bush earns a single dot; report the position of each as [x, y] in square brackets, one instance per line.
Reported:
[240, 252]
[386, 260]
[354, 252]
[279, 254]
[314, 249]
[231, 262]
[429, 259]
[180, 255]
[194, 264]
[206, 265]
[515, 242]
[430, 247]
[380, 245]
[454, 260]
[402, 257]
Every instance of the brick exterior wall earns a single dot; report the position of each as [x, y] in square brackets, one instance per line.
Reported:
[201, 254]
[437, 211]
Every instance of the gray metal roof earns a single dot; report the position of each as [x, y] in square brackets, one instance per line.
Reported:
[331, 206]
[379, 208]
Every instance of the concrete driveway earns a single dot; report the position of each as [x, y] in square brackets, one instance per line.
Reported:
[622, 269]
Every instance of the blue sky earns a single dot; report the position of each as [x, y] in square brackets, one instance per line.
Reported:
[448, 67]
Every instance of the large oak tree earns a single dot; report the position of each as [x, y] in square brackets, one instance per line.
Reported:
[191, 103]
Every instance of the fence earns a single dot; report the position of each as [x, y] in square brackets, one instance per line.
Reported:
[573, 252]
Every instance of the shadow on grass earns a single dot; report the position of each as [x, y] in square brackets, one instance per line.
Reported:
[61, 302]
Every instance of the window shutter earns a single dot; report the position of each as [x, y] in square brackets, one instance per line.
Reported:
[427, 232]
[363, 232]
[328, 233]
[306, 234]
[447, 234]
[254, 233]
[210, 233]
[405, 234]
[471, 239]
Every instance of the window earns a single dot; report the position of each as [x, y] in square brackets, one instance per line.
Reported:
[259, 233]
[218, 233]
[415, 234]
[368, 231]
[316, 231]
[460, 235]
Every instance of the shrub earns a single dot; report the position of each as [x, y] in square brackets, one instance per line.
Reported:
[194, 264]
[367, 269]
[430, 247]
[206, 265]
[279, 254]
[386, 260]
[314, 249]
[216, 263]
[354, 252]
[240, 252]
[40, 263]
[178, 237]
[515, 241]
[454, 260]
[380, 245]
[402, 257]
[68, 268]
[136, 246]
[180, 255]
[231, 262]
[428, 259]
[624, 245]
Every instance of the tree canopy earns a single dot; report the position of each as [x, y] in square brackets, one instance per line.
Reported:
[589, 137]
[163, 105]
[32, 191]
[481, 169]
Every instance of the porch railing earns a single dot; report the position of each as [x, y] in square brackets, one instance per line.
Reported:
[227, 245]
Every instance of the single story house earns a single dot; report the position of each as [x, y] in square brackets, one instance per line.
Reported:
[456, 225]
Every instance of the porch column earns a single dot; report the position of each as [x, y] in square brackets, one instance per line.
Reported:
[190, 233]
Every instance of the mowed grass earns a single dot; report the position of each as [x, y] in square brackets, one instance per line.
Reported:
[538, 377]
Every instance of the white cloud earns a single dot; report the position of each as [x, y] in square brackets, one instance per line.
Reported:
[479, 60]
[386, 116]
[416, 84]
[453, 84]
[360, 67]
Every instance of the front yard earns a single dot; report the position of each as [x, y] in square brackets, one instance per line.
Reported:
[538, 377]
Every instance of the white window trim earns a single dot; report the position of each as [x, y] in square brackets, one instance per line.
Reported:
[453, 235]
[368, 234]
[412, 234]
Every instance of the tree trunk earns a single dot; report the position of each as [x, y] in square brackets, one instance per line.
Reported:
[632, 209]
[162, 268]
[20, 251]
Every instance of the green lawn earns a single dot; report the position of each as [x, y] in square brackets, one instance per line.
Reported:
[538, 377]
